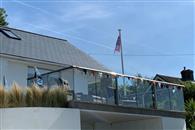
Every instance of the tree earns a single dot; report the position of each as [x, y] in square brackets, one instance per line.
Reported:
[3, 16]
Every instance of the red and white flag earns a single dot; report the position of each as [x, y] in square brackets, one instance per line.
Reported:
[118, 44]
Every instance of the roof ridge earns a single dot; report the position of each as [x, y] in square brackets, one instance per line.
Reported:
[168, 76]
[33, 33]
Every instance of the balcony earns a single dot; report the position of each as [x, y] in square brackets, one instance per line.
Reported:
[111, 89]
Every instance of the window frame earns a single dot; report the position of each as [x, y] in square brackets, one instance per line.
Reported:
[6, 33]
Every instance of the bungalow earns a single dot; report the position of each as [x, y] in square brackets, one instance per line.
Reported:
[100, 98]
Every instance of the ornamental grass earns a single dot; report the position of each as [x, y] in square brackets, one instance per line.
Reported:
[15, 96]
[33, 96]
[3, 93]
[56, 97]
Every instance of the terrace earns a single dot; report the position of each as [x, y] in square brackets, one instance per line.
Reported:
[111, 89]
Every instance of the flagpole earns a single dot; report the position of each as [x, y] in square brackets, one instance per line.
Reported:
[122, 64]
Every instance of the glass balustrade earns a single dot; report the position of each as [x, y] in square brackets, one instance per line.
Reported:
[105, 88]
[94, 87]
[134, 93]
[169, 97]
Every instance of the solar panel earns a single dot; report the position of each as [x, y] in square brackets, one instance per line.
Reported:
[10, 34]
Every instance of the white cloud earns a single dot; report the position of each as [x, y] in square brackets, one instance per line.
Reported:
[84, 12]
[78, 15]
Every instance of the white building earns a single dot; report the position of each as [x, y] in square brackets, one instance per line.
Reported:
[99, 102]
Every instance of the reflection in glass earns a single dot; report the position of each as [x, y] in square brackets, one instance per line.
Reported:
[94, 87]
[163, 97]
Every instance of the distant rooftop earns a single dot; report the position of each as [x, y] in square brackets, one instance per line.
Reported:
[169, 79]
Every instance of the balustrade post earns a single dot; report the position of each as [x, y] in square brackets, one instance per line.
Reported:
[116, 98]
[73, 87]
[154, 102]
[169, 90]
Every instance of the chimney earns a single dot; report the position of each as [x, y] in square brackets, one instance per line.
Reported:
[187, 75]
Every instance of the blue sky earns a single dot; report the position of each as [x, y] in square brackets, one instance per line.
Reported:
[157, 37]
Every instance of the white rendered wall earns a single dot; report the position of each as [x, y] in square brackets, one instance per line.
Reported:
[173, 124]
[146, 124]
[161, 123]
[40, 118]
[13, 72]
[16, 72]
[149, 124]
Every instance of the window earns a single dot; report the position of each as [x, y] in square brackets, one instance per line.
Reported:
[10, 34]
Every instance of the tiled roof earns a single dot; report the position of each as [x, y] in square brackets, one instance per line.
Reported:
[45, 48]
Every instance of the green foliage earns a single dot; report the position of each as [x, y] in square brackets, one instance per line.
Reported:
[190, 114]
[3, 16]
[189, 90]
[189, 96]
[33, 97]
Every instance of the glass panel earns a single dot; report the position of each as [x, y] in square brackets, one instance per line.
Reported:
[30, 82]
[67, 76]
[31, 72]
[163, 97]
[99, 97]
[177, 101]
[121, 90]
[105, 88]
[45, 80]
[9, 33]
[127, 92]
[135, 93]
[53, 79]
[144, 93]
[84, 85]
[180, 99]
[94, 87]
[109, 84]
